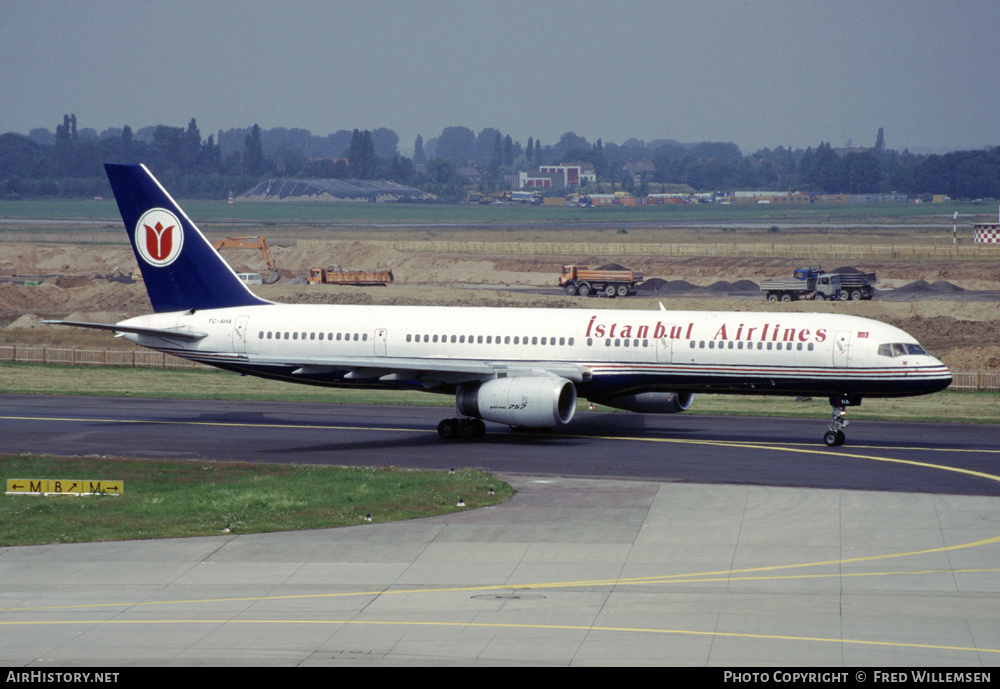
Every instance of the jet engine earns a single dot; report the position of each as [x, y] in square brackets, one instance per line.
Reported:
[528, 401]
[652, 402]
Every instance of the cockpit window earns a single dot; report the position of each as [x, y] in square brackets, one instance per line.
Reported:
[900, 349]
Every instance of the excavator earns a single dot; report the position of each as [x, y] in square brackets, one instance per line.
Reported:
[252, 243]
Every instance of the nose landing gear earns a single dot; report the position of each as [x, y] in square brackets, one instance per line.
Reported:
[835, 436]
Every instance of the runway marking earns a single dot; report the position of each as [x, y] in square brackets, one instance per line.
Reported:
[693, 577]
[230, 424]
[523, 626]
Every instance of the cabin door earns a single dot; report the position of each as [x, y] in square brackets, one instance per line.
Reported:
[240, 334]
[380, 338]
[665, 346]
[842, 349]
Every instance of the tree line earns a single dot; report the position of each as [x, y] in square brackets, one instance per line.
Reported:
[69, 162]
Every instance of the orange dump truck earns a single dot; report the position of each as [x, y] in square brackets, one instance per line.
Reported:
[336, 275]
[611, 283]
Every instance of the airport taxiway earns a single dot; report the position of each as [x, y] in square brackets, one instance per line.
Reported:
[571, 571]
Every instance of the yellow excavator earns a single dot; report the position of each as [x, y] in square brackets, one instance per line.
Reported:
[258, 243]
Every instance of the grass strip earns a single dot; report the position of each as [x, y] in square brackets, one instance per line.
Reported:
[183, 498]
[40, 379]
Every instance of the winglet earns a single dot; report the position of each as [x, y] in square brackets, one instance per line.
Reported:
[180, 268]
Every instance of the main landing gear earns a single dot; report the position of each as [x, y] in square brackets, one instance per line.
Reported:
[466, 429]
[835, 436]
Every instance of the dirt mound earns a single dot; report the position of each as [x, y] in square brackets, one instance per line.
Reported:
[937, 287]
[660, 286]
[746, 286]
[69, 282]
[28, 321]
[653, 285]
[612, 266]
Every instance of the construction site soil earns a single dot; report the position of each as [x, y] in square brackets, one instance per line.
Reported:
[951, 306]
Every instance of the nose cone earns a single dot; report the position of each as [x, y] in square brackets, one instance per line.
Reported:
[937, 375]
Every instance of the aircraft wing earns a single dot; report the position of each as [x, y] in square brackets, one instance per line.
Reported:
[450, 371]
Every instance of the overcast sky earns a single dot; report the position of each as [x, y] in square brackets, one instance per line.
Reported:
[760, 73]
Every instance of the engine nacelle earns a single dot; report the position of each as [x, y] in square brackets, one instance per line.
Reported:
[529, 401]
[652, 402]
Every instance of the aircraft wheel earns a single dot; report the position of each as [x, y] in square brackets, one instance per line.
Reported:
[834, 438]
[471, 428]
[448, 428]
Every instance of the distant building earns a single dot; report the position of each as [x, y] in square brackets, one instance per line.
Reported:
[637, 168]
[541, 180]
[575, 174]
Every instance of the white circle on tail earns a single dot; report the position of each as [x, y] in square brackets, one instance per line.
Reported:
[159, 237]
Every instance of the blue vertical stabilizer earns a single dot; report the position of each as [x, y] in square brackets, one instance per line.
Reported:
[180, 268]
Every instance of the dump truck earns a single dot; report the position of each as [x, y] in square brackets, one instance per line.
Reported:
[805, 284]
[611, 283]
[857, 285]
[338, 275]
[258, 243]
[815, 283]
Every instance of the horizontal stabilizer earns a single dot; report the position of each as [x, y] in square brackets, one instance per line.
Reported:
[156, 332]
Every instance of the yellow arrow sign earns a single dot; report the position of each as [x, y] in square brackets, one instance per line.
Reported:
[48, 486]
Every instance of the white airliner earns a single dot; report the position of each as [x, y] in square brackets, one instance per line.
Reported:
[519, 367]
